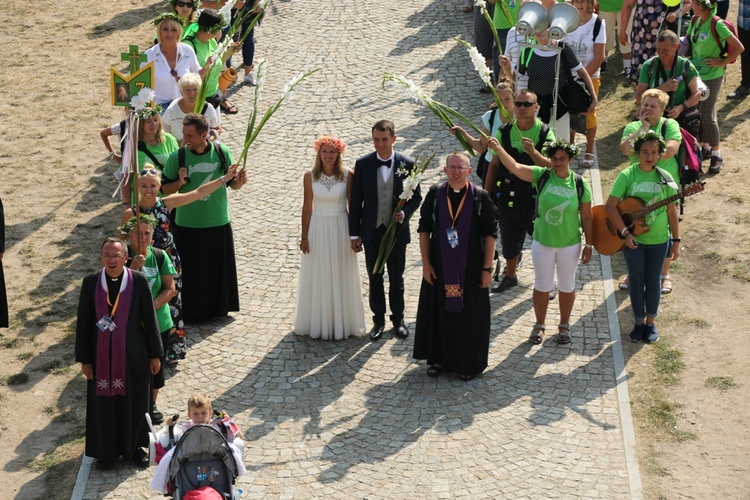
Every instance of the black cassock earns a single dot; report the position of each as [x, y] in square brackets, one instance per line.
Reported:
[116, 425]
[3, 297]
[458, 341]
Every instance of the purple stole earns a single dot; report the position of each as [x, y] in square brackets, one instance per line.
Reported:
[453, 260]
[110, 369]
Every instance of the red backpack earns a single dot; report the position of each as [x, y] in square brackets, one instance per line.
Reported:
[725, 48]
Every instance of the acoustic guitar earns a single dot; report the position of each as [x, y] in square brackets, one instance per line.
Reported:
[608, 241]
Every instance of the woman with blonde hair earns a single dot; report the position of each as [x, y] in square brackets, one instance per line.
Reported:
[154, 144]
[149, 202]
[329, 296]
[171, 58]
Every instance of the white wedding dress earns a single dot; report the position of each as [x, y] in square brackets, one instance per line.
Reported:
[329, 294]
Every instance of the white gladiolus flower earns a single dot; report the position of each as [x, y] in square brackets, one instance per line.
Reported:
[481, 4]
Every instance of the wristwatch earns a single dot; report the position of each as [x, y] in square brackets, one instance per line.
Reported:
[488, 269]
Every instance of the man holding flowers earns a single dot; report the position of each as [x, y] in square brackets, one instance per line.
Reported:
[378, 183]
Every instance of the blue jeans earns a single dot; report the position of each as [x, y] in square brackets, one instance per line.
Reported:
[503, 35]
[248, 47]
[644, 272]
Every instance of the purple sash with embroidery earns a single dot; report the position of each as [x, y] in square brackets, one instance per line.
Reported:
[453, 260]
[110, 369]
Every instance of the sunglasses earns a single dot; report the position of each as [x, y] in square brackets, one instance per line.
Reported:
[185, 4]
[524, 104]
[149, 171]
[174, 74]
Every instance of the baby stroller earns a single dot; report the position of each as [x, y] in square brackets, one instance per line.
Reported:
[202, 458]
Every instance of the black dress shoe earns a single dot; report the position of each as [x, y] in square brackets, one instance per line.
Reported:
[140, 458]
[99, 465]
[377, 331]
[157, 417]
[400, 330]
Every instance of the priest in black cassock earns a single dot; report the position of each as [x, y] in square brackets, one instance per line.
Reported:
[457, 232]
[118, 345]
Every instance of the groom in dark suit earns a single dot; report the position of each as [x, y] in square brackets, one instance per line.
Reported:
[375, 190]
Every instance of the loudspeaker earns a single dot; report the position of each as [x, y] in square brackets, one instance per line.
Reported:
[563, 19]
[532, 19]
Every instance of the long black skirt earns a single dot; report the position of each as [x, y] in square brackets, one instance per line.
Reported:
[209, 272]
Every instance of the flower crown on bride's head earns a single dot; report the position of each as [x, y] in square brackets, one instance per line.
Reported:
[330, 140]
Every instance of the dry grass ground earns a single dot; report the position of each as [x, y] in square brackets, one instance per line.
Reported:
[688, 392]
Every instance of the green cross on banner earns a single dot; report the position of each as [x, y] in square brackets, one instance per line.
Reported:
[135, 58]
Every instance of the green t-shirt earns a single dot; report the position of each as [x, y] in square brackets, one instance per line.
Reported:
[672, 133]
[161, 152]
[684, 72]
[649, 187]
[610, 5]
[213, 210]
[153, 275]
[499, 19]
[203, 51]
[190, 29]
[704, 46]
[559, 221]
[533, 133]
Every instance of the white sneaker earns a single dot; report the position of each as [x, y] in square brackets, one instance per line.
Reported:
[250, 79]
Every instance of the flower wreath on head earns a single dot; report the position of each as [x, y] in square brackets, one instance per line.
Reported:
[220, 25]
[146, 113]
[168, 15]
[130, 224]
[707, 4]
[330, 140]
[549, 148]
[650, 136]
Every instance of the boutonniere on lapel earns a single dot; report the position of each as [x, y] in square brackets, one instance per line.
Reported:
[401, 171]
[410, 184]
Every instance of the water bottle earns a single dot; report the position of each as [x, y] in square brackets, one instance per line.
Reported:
[705, 92]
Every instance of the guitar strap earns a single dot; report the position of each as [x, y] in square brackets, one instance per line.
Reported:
[665, 179]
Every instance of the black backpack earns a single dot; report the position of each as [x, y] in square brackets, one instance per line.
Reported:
[510, 187]
[222, 158]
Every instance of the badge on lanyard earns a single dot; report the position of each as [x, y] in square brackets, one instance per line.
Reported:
[105, 324]
[452, 234]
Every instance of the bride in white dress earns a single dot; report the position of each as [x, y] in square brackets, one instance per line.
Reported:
[329, 294]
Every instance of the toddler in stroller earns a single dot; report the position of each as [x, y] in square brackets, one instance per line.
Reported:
[206, 453]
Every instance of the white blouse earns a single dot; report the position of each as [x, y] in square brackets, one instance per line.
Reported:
[165, 85]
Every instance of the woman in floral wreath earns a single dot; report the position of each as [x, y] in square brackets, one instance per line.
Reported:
[644, 254]
[329, 295]
[149, 184]
[160, 273]
[154, 145]
[171, 58]
[563, 207]
[711, 64]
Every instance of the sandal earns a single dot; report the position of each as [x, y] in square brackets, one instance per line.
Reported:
[588, 160]
[624, 284]
[563, 338]
[434, 370]
[228, 108]
[537, 334]
[666, 286]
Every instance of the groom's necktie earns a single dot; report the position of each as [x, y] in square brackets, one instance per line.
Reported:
[383, 163]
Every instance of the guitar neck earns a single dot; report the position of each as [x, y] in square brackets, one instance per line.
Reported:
[650, 208]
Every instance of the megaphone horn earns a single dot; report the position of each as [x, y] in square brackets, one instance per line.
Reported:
[532, 19]
[563, 19]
